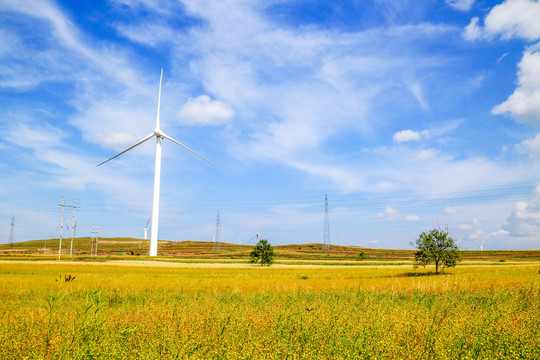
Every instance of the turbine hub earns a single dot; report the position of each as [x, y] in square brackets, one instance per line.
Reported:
[158, 133]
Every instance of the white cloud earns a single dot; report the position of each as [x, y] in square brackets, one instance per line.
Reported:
[510, 19]
[525, 218]
[111, 62]
[204, 111]
[437, 131]
[449, 211]
[389, 213]
[309, 83]
[531, 147]
[406, 135]
[524, 103]
[412, 218]
[462, 5]
[427, 154]
[30, 134]
[473, 31]
[473, 229]
[114, 123]
[345, 178]
[150, 34]
[114, 139]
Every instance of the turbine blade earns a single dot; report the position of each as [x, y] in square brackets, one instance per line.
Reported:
[159, 100]
[185, 147]
[129, 148]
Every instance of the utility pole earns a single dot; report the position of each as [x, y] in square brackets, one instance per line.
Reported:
[326, 236]
[73, 228]
[97, 237]
[11, 233]
[92, 242]
[61, 227]
[217, 238]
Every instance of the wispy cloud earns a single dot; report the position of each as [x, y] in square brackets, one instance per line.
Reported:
[364, 107]
[462, 5]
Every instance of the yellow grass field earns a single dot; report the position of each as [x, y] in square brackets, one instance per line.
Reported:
[157, 309]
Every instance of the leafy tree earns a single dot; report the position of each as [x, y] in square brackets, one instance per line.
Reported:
[436, 246]
[361, 256]
[262, 253]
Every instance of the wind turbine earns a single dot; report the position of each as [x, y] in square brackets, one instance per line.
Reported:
[145, 228]
[160, 135]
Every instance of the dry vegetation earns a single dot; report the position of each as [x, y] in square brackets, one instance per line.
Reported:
[192, 251]
[72, 310]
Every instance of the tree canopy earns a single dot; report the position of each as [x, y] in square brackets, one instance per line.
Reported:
[262, 253]
[436, 247]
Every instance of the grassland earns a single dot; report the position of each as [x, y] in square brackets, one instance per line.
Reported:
[198, 251]
[122, 309]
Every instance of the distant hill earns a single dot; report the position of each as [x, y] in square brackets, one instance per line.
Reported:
[204, 250]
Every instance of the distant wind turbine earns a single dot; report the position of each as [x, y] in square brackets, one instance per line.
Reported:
[160, 135]
[146, 229]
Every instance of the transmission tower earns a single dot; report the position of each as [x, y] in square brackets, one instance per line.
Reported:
[63, 205]
[73, 227]
[11, 233]
[217, 236]
[326, 237]
[94, 240]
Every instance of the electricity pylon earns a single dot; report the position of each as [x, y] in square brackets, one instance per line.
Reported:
[326, 236]
[73, 227]
[11, 233]
[217, 236]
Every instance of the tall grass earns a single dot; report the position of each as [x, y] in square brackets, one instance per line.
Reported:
[277, 313]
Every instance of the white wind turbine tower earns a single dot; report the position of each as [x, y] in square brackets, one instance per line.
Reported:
[160, 135]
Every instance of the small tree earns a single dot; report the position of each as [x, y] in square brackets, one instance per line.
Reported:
[436, 246]
[361, 256]
[262, 253]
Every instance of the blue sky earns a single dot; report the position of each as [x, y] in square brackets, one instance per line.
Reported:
[409, 115]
